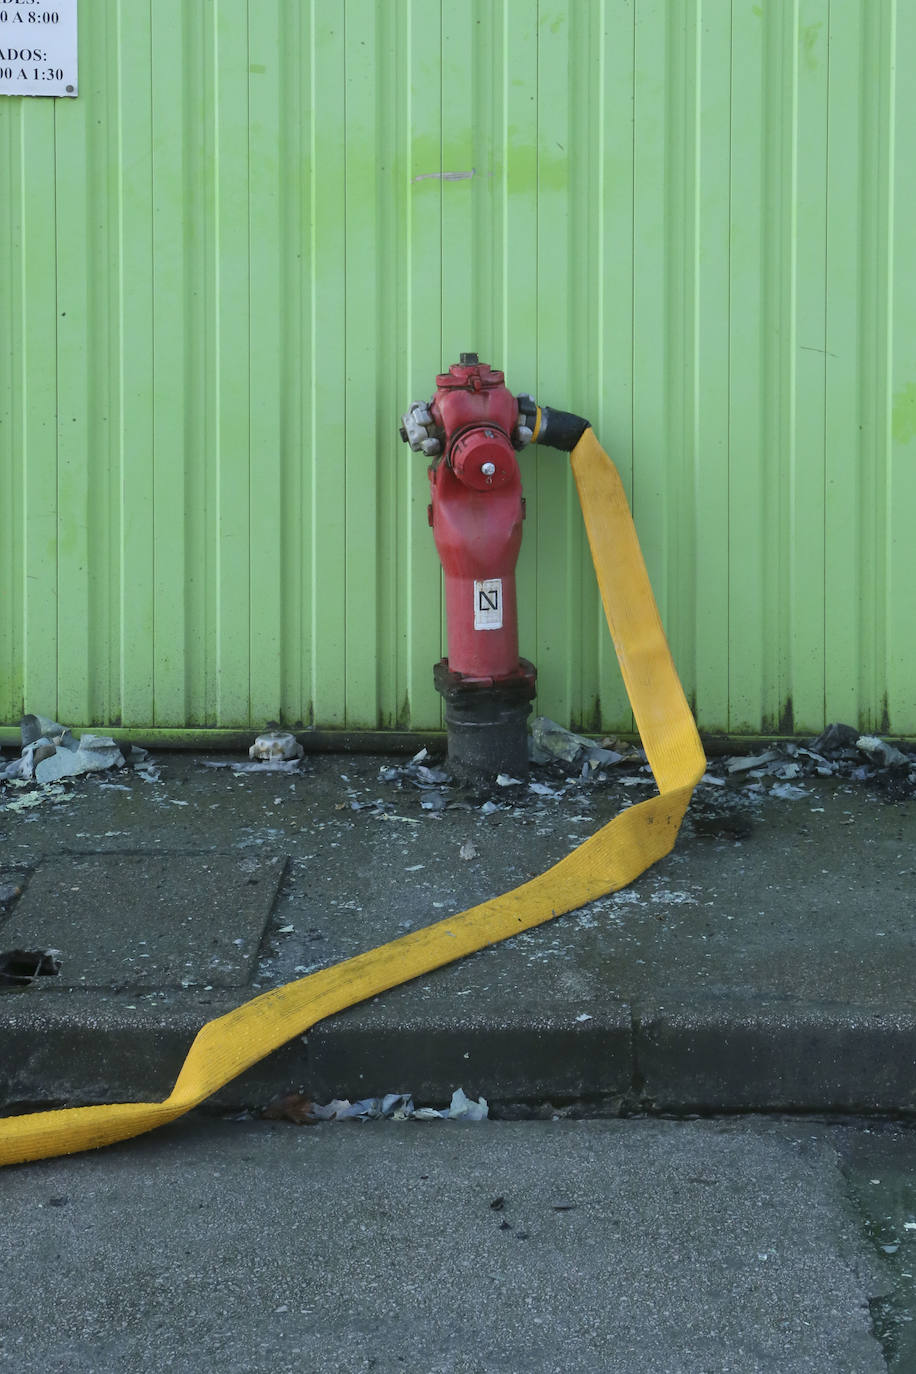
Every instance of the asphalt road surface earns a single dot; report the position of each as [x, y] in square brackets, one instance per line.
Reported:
[658, 1247]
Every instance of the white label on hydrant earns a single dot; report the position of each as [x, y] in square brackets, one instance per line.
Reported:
[488, 604]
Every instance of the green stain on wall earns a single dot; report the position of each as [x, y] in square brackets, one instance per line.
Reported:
[903, 419]
[809, 36]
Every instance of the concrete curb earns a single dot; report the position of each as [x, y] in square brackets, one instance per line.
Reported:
[711, 1056]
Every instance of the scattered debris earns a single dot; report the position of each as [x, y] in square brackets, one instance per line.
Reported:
[257, 766]
[744, 763]
[551, 741]
[835, 739]
[882, 754]
[19, 967]
[840, 751]
[787, 792]
[276, 746]
[393, 1107]
[9, 892]
[34, 798]
[468, 850]
[51, 752]
[540, 789]
[416, 773]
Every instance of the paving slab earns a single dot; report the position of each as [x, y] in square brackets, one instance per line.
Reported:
[769, 962]
[148, 919]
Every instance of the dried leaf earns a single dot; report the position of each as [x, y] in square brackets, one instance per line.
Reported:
[291, 1107]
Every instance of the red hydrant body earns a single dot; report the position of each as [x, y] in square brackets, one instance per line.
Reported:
[478, 538]
[471, 429]
[476, 514]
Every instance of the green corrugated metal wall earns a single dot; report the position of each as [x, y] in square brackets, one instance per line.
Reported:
[263, 227]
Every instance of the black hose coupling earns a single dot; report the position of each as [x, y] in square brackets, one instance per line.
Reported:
[560, 429]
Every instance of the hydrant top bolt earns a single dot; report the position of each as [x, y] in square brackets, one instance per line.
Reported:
[488, 469]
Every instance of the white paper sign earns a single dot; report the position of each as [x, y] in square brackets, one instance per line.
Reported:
[488, 604]
[38, 47]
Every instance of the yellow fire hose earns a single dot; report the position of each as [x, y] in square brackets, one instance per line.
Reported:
[609, 860]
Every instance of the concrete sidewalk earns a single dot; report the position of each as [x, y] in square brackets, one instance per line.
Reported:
[768, 964]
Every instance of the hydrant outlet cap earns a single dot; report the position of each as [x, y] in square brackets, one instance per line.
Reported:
[483, 458]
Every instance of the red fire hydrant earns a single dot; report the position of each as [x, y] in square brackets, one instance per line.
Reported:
[471, 429]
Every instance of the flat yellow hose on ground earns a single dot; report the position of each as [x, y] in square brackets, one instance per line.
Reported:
[617, 854]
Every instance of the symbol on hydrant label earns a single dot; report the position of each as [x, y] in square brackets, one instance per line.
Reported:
[488, 604]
